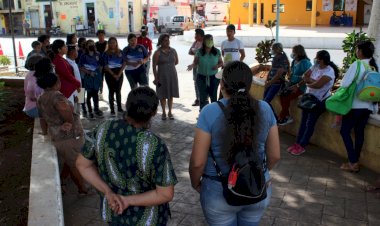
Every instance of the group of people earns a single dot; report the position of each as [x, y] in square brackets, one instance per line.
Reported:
[130, 166]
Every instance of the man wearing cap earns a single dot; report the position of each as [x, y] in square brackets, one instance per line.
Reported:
[199, 34]
[147, 43]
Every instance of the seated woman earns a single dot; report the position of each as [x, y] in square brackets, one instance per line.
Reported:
[249, 122]
[319, 80]
[123, 157]
[64, 125]
[295, 87]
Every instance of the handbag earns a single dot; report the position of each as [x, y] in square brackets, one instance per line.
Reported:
[341, 102]
[309, 102]
[285, 91]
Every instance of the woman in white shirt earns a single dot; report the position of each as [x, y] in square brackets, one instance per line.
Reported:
[319, 80]
[358, 116]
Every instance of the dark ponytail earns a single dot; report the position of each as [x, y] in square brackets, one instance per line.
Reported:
[373, 64]
[325, 57]
[336, 70]
[241, 109]
[367, 49]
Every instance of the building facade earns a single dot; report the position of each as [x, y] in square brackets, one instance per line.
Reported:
[115, 16]
[301, 12]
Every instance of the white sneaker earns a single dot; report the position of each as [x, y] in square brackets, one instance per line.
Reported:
[285, 121]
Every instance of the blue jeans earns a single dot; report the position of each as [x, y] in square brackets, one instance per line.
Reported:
[219, 213]
[308, 121]
[206, 91]
[355, 119]
[270, 93]
[33, 113]
[137, 76]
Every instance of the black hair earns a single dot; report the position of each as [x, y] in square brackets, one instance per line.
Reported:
[300, 52]
[57, 44]
[161, 38]
[241, 109]
[32, 61]
[71, 48]
[368, 49]
[325, 57]
[47, 81]
[69, 39]
[35, 44]
[231, 27]
[82, 42]
[42, 38]
[213, 50]
[130, 36]
[43, 67]
[200, 32]
[100, 32]
[142, 104]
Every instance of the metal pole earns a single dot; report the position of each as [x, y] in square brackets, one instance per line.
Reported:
[52, 14]
[278, 20]
[12, 33]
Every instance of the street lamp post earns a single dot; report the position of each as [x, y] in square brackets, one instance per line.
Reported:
[278, 20]
[12, 34]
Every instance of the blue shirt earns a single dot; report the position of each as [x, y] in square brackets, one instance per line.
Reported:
[113, 60]
[91, 63]
[298, 69]
[211, 120]
[134, 55]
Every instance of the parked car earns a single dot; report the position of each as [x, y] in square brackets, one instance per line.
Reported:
[178, 24]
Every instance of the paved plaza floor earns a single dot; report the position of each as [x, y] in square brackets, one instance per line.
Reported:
[307, 190]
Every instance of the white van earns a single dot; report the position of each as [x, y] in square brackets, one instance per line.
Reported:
[216, 13]
[178, 24]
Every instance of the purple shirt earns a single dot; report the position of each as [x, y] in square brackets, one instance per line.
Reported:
[32, 91]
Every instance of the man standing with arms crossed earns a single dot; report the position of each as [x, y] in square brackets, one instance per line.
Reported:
[147, 43]
[199, 34]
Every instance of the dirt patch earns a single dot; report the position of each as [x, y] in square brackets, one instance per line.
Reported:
[16, 133]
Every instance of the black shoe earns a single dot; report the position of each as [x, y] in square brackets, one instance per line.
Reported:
[120, 110]
[99, 113]
[91, 115]
[112, 112]
[84, 114]
[196, 103]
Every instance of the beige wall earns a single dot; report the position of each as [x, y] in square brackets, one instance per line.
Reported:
[326, 137]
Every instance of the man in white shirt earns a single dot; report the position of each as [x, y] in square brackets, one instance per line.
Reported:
[71, 55]
[151, 29]
[197, 44]
[232, 48]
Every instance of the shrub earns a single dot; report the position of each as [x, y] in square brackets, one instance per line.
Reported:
[4, 60]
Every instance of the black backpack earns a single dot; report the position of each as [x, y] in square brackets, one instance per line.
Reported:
[246, 181]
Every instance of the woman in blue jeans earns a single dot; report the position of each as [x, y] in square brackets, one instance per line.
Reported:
[357, 118]
[252, 122]
[207, 60]
[276, 76]
[319, 80]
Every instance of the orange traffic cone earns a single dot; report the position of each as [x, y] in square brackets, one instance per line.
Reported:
[1, 51]
[20, 52]
[239, 25]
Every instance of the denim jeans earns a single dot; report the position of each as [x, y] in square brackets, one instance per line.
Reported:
[308, 121]
[195, 75]
[206, 91]
[136, 76]
[355, 119]
[218, 213]
[33, 113]
[270, 93]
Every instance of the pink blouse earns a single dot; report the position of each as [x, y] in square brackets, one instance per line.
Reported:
[32, 91]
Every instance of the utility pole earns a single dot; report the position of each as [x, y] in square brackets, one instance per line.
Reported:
[278, 20]
[12, 33]
[51, 11]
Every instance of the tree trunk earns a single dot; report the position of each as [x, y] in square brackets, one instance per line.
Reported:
[374, 28]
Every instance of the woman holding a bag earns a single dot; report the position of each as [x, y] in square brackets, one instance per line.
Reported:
[319, 79]
[358, 116]
[295, 87]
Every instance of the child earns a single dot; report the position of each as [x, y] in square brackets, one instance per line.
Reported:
[36, 45]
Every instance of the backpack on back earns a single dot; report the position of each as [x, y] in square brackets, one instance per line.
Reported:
[368, 89]
[246, 181]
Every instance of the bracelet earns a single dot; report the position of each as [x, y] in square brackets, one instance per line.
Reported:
[298, 85]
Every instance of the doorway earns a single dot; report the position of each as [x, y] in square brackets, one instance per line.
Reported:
[130, 16]
[255, 13]
[90, 13]
[48, 15]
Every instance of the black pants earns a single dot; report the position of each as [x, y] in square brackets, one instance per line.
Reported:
[92, 93]
[114, 87]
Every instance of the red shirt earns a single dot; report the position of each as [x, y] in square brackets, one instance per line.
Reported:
[66, 75]
[146, 42]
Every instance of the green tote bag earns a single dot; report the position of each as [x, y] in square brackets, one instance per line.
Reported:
[341, 102]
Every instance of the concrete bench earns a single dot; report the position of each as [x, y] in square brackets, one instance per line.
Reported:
[45, 198]
[324, 135]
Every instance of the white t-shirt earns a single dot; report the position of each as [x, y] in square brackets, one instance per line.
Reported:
[231, 50]
[151, 27]
[349, 78]
[77, 77]
[316, 73]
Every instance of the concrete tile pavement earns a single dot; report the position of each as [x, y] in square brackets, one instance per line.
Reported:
[307, 190]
